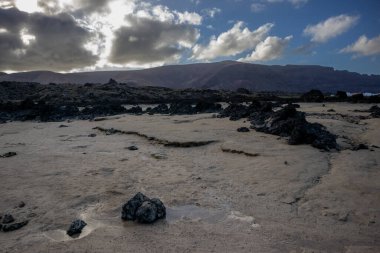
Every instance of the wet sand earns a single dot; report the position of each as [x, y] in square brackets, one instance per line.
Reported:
[283, 199]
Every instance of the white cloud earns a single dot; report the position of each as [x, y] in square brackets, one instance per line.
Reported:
[211, 12]
[330, 28]
[269, 49]
[232, 42]
[257, 7]
[191, 18]
[364, 47]
[295, 3]
[298, 3]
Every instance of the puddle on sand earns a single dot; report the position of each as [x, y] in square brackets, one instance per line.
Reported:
[173, 215]
[59, 235]
[235, 215]
[194, 213]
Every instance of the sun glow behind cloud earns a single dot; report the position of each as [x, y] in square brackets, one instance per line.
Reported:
[29, 6]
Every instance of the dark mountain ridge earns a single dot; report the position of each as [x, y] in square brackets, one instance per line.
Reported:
[228, 75]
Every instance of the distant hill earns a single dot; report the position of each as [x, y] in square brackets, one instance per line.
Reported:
[228, 75]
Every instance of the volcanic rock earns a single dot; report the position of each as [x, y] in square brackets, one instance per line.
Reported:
[143, 209]
[147, 212]
[159, 109]
[181, 108]
[135, 110]
[14, 226]
[8, 154]
[207, 107]
[288, 122]
[76, 227]
[8, 218]
[375, 111]
[129, 209]
[313, 96]
[243, 129]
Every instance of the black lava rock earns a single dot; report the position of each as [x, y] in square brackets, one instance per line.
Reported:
[235, 112]
[147, 212]
[159, 109]
[288, 122]
[360, 146]
[375, 111]
[14, 226]
[112, 81]
[9, 154]
[161, 209]
[132, 148]
[8, 218]
[243, 91]
[76, 227]
[143, 209]
[129, 209]
[239, 111]
[135, 110]
[102, 110]
[313, 96]
[181, 108]
[243, 129]
[207, 107]
[341, 95]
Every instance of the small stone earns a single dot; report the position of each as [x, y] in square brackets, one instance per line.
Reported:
[343, 217]
[243, 129]
[8, 218]
[286, 163]
[360, 146]
[76, 227]
[92, 135]
[132, 148]
[8, 154]
[159, 156]
[14, 226]
[61, 126]
[21, 204]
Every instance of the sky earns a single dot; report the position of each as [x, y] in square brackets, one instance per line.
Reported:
[92, 35]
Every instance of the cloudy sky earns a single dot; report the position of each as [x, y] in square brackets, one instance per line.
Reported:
[86, 35]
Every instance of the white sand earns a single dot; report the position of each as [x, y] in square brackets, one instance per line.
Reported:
[216, 201]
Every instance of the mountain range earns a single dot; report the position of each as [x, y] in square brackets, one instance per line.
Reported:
[228, 75]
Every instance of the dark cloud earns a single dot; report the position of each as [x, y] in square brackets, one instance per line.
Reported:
[151, 41]
[49, 6]
[81, 8]
[12, 19]
[57, 42]
[89, 6]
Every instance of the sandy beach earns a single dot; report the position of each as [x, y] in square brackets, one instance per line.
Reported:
[243, 192]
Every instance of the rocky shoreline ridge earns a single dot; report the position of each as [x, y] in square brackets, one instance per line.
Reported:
[267, 113]
[59, 102]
